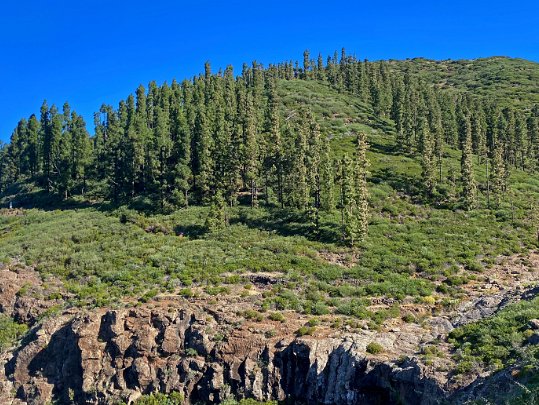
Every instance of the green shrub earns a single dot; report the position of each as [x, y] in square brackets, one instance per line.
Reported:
[220, 290]
[186, 292]
[409, 318]
[174, 398]
[306, 330]
[374, 348]
[191, 352]
[252, 315]
[10, 331]
[276, 316]
[498, 340]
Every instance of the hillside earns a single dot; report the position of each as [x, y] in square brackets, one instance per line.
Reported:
[442, 281]
[508, 80]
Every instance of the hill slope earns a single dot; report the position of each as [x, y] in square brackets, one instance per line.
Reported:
[508, 80]
[426, 268]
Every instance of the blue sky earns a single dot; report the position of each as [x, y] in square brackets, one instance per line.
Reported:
[95, 51]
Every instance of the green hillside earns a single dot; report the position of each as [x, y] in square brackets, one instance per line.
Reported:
[508, 80]
[414, 248]
[141, 215]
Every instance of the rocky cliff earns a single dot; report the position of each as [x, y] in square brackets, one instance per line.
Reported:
[210, 352]
[106, 355]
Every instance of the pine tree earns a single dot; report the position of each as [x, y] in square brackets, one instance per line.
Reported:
[451, 193]
[55, 150]
[520, 140]
[17, 165]
[449, 120]
[202, 159]
[300, 191]
[306, 64]
[251, 160]
[364, 83]
[221, 136]
[466, 168]
[47, 143]
[183, 175]
[142, 141]
[273, 159]
[348, 202]
[22, 146]
[113, 155]
[4, 182]
[410, 115]
[216, 219]
[34, 145]
[62, 150]
[312, 162]
[427, 161]
[320, 70]
[532, 127]
[362, 194]
[327, 200]
[80, 151]
[498, 173]
[436, 130]
[234, 166]
[397, 113]
[162, 146]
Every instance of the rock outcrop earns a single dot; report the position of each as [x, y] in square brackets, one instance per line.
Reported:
[119, 355]
[23, 295]
[212, 351]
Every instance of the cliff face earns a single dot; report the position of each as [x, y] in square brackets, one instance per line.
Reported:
[101, 356]
[212, 351]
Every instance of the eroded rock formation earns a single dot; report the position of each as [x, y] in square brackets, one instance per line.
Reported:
[211, 352]
[120, 354]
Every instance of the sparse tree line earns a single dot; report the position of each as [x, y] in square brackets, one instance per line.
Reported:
[221, 139]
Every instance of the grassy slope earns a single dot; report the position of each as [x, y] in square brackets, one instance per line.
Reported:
[412, 246]
[509, 80]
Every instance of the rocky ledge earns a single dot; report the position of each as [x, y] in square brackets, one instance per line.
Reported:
[118, 355]
[210, 353]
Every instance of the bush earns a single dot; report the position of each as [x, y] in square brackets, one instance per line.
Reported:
[186, 292]
[10, 331]
[306, 330]
[276, 316]
[429, 300]
[217, 290]
[174, 398]
[498, 340]
[408, 318]
[374, 348]
[190, 352]
[252, 315]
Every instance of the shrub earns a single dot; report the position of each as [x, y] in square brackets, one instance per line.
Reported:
[270, 333]
[174, 398]
[217, 290]
[319, 308]
[276, 316]
[374, 348]
[408, 318]
[252, 315]
[190, 352]
[186, 292]
[10, 331]
[306, 330]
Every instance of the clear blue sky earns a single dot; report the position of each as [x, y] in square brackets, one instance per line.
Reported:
[93, 51]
